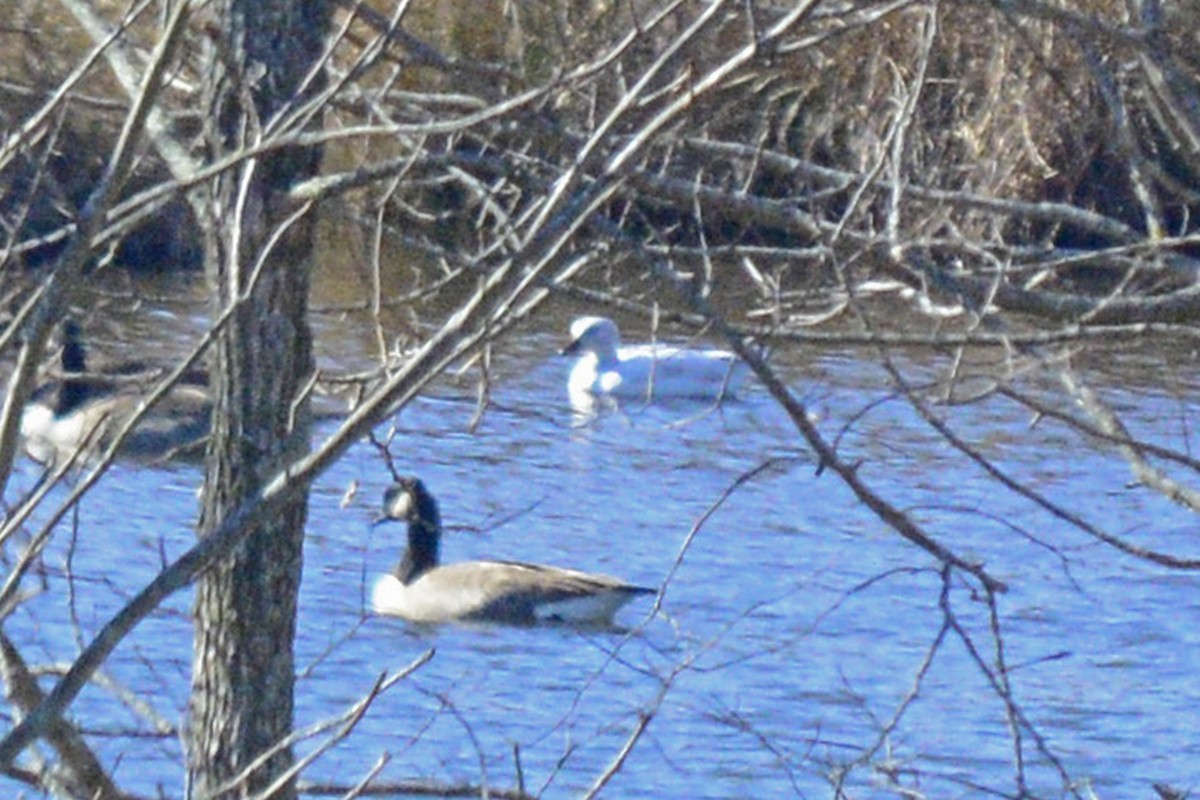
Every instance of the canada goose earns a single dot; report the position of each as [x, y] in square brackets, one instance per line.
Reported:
[421, 590]
[648, 371]
[80, 409]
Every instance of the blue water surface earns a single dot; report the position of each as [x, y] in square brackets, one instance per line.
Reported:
[793, 627]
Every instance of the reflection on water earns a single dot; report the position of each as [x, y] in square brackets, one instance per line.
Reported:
[792, 629]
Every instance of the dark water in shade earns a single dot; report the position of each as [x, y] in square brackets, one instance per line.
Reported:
[792, 630]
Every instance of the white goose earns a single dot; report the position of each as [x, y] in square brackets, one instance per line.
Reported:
[422, 590]
[606, 368]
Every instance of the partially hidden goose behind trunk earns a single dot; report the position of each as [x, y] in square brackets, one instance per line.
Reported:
[84, 410]
[422, 590]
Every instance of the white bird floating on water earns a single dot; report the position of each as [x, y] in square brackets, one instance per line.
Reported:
[423, 590]
[647, 372]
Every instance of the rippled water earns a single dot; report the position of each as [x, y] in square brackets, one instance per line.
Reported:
[794, 626]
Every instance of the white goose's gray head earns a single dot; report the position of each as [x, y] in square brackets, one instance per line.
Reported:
[407, 500]
[597, 335]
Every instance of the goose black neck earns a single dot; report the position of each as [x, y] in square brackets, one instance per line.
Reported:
[75, 388]
[424, 543]
[74, 357]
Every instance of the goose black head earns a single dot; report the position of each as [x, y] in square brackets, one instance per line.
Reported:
[407, 500]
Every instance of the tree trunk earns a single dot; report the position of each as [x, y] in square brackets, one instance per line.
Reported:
[243, 672]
